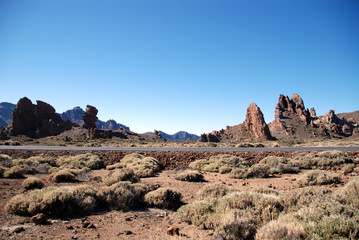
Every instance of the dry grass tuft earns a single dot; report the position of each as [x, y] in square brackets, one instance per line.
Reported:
[277, 229]
[221, 163]
[64, 175]
[122, 174]
[189, 176]
[317, 177]
[14, 172]
[164, 198]
[32, 183]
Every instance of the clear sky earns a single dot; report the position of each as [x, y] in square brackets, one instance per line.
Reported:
[176, 65]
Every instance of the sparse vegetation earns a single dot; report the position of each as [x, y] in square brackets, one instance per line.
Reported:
[220, 163]
[141, 165]
[87, 160]
[317, 177]
[64, 175]
[214, 191]
[279, 229]
[164, 198]
[14, 172]
[32, 183]
[122, 174]
[279, 165]
[54, 201]
[189, 176]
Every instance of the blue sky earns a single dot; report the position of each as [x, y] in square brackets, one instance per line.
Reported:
[178, 65]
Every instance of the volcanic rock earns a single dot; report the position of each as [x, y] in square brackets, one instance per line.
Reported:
[255, 123]
[209, 137]
[39, 120]
[89, 117]
[293, 105]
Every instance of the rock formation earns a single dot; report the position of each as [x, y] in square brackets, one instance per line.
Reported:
[38, 120]
[255, 123]
[294, 105]
[89, 117]
[209, 137]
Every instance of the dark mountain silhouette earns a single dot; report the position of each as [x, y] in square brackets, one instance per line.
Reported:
[5, 113]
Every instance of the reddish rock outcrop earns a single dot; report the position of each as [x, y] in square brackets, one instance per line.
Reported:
[255, 123]
[38, 120]
[90, 117]
[209, 137]
[295, 104]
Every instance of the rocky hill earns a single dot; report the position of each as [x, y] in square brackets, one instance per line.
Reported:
[75, 116]
[5, 113]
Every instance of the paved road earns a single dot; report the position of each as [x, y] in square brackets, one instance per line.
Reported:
[180, 149]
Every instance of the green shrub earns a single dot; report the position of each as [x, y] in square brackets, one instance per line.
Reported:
[164, 198]
[276, 230]
[14, 172]
[189, 176]
[317, 177]
[225, 162]
[122, 174]
[122, 195]
[141, 165]
[64, 175]
[54, 201]
[32, 183]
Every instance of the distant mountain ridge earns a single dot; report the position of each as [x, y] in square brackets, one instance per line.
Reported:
[75, 116]
[6, 109]
[179, 136]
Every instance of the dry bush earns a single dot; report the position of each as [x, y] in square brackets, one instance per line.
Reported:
[64, 175]
[54, 201]
[321, 160]
[236, 225]
[32, 183]
[348, 168]
[87, 160]
[198, 213]
[122, 174]
[279, 165]
[215, 163]
[141, 165]
[276, 230]
[258, 171]
[2, 171]
[350, 192]
[265, 191]
[238, 173]
[302, 197]
[317, 177]
[114, 166]
[14, 172]
[5, 161]
[189, 176]
[214, 191]
[122, 195]
[35, 164]
[164, 198]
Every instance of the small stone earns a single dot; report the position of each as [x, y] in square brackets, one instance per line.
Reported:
[173, 231]
[70, 227]
[270, 185]
[128, 232]
[39, 219]
[75, 237]
[128, 219]
[18, 229]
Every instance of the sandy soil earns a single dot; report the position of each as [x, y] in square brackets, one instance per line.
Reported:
[135, 224]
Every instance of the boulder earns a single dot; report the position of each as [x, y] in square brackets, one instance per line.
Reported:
[256, 124]
[89, 117]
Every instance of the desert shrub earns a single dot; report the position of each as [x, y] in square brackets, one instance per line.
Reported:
[189, 176]
[12, 143]
[350, 192]
[141, 165]
[14, 172]
[348, 168]
[32, 183]
[35, 164]
[215, 163]
[5, 161]
[317, 177]
[122, 195]
[225, 170]
[198, 213]
[275, 230]
[279, 165]
[302, 197]
[164, 198]
[238, 173]
[122, 174]
[214, 191]
[266, 191]
[64, 175]
[114, 166]
[236, 225]
[54, 201]
[321, 160]
[87, 160]
[258, 171]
